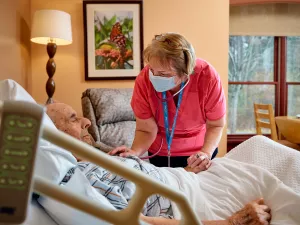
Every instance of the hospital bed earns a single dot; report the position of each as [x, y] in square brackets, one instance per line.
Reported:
[17, 205]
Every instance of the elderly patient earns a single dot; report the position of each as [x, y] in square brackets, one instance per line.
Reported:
[218, 198]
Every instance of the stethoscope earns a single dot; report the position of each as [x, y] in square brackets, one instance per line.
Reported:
[156, 119]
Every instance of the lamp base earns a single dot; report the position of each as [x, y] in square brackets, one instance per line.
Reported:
[50, 68]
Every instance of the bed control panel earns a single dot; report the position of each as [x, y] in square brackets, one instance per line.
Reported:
[20, 128]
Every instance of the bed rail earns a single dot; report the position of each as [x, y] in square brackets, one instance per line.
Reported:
[145, 186]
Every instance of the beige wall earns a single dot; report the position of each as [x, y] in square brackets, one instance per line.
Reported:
[14, 41]
[205, 23]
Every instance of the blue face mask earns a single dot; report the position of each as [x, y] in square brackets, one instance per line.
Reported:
[162, 84]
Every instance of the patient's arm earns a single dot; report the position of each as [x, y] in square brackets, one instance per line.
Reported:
[254, 213]
[159, 220]
[164, 221]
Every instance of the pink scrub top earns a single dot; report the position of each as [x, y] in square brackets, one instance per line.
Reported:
[203, 99]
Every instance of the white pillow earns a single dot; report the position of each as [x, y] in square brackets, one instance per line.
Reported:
[52, 162]
[11, 90]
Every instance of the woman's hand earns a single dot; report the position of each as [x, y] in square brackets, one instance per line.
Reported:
[198, 162]
[123, 151]
[254, 213]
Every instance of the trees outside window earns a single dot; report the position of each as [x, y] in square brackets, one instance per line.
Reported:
[262, 69]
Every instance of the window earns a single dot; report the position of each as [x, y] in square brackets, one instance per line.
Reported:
[293, 75]
[264, 64]
[262, 69]
[251, 79]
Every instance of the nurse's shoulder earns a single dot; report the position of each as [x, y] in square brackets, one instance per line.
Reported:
[204, 71]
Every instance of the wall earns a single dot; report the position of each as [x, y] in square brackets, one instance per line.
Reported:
[204, 23]
[14, 41]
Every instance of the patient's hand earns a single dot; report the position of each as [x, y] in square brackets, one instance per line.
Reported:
[254, 213]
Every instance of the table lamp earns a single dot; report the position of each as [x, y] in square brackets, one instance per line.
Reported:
[51, 28]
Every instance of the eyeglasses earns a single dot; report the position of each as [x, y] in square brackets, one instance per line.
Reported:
[163, 38]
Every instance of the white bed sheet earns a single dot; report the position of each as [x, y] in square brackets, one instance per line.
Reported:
[281, 161]
[259, 167]
[228, 185]
[37, 215]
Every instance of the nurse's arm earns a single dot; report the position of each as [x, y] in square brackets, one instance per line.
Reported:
[213, 135]
[145, 134]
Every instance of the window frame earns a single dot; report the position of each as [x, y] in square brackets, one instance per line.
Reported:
[281, 88]
[283, 78]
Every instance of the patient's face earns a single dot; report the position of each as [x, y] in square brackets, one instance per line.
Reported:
[65, 119]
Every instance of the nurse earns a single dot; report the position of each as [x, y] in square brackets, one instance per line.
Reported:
[179, 105]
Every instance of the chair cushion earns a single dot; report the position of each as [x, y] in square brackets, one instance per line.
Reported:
[117, 134]
[113, 121]
[111, 105]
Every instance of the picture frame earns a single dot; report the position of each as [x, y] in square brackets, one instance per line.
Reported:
[113, 39]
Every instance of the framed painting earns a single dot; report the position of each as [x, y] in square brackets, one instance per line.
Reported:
[113, 33]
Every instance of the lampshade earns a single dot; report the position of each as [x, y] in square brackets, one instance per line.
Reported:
[52, 24]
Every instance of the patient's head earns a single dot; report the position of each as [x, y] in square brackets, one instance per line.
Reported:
[65, 119]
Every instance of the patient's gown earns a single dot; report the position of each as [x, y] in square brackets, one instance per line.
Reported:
[119, 191]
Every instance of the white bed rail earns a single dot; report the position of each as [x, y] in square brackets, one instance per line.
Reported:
[145, 186]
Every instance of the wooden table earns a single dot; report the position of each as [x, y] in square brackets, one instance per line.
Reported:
[289, 127]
